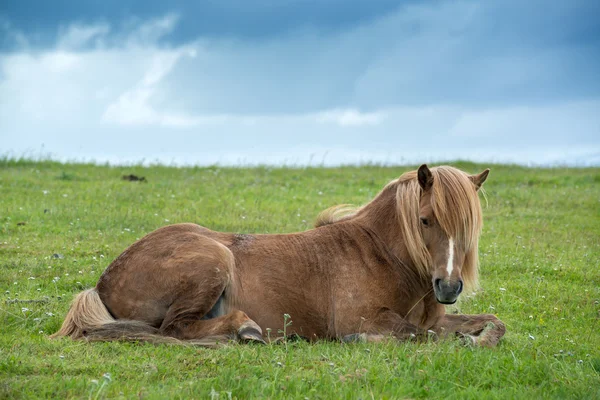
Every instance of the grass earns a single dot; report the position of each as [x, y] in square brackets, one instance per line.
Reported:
[61, 225]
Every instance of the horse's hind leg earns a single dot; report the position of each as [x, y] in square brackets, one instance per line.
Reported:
[233, 326]
[206, 276]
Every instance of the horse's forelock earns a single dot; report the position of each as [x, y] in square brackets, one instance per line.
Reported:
[458, 210]
[456, 205]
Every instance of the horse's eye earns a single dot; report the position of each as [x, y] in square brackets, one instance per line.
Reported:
[424, 221]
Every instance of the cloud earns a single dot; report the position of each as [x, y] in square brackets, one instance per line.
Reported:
[134, 106]
[149, 32]
[542, 125]
[79, 36]
[426, 80]
[350, 117]
[11, 36]
[233, 19]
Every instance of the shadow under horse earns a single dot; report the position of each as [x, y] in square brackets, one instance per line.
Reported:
[384, 270]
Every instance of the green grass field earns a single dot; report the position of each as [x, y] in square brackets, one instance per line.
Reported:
[62, 224]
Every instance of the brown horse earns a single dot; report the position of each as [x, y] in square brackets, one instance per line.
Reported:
[384, 270]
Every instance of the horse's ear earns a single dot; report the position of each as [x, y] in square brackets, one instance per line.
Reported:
[479, 178]
[425, 177]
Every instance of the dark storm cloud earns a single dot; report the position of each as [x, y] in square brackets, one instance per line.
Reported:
[233, 19]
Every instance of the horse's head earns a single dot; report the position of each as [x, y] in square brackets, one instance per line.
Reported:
[440, 213]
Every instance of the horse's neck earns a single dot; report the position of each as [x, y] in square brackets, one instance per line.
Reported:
[380, 217]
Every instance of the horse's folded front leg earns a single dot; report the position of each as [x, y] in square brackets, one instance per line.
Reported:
[388, 325]
[480, 330]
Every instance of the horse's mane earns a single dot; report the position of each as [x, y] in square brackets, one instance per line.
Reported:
[455, 204]
[335, 214]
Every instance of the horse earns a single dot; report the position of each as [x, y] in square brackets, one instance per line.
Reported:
[383, 271]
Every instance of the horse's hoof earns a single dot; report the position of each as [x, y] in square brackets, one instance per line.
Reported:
[467, 340]
[251, 336]
[366, 338]
[354, 338]
[250, 332]
[487, 328]
[488, 337]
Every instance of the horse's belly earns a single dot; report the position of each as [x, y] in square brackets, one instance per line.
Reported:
[273, 306]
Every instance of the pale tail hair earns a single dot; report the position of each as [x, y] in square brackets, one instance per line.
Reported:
[89, 319]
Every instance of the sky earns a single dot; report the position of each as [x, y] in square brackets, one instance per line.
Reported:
[301, 82]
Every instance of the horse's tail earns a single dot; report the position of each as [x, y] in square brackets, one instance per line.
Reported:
[89, 319]
[87, 312]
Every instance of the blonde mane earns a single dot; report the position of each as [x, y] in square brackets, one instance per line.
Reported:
[335, 214]
[455, 203]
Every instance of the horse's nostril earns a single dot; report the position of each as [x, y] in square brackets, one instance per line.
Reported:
[437, 284]
[460, 287]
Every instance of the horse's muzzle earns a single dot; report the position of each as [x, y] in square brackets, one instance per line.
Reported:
[446, 291]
